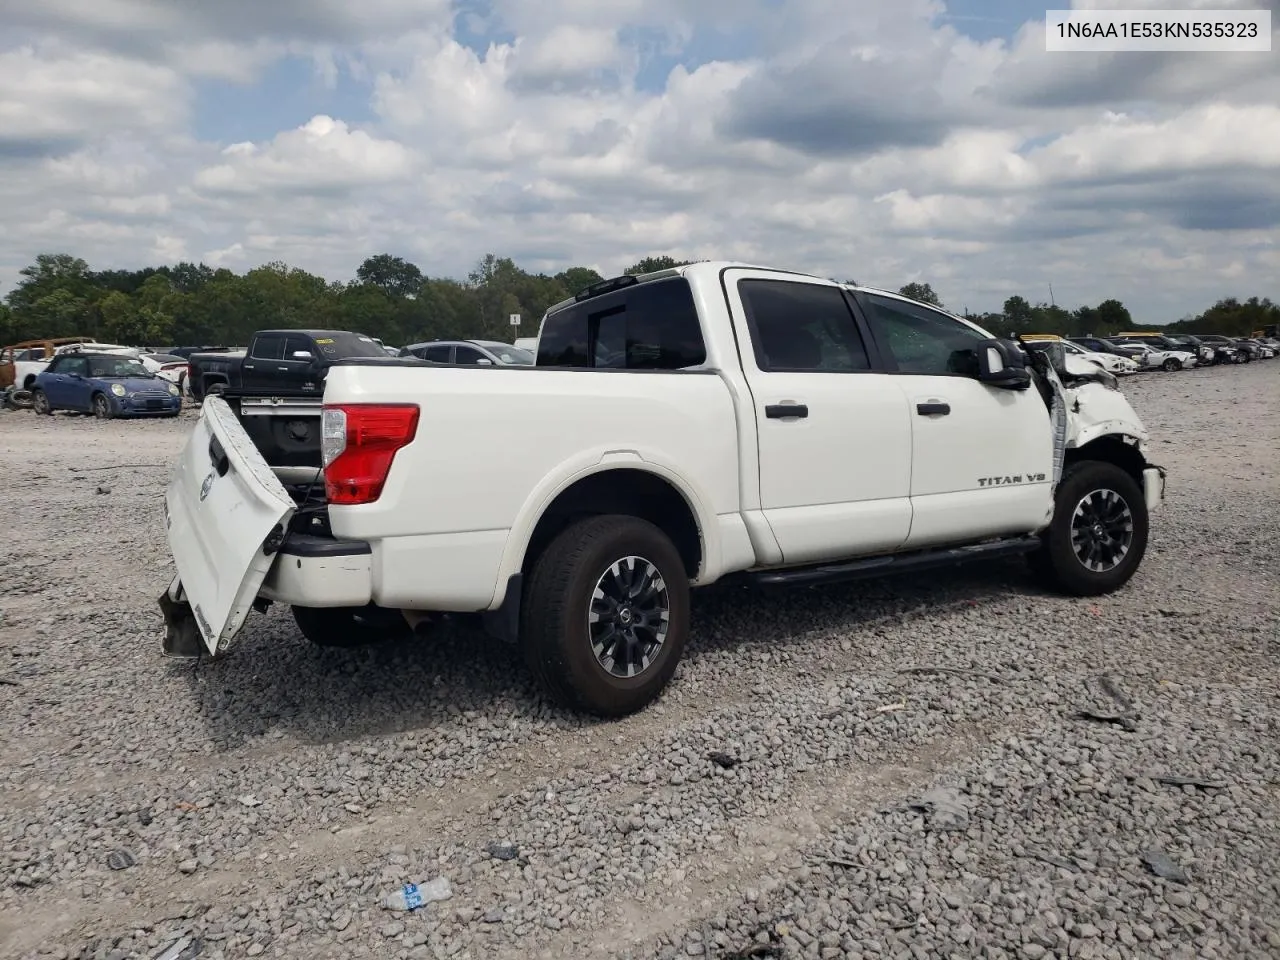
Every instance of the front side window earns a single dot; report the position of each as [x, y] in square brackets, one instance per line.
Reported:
[802, 327]
[76, 365]
[643, 326]
[294, 345]
[922, 340]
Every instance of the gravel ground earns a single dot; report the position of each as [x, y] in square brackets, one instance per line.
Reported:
[799, 792]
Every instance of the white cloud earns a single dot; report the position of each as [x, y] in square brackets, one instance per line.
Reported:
[884, 145]
[322, 156]
[51, 100]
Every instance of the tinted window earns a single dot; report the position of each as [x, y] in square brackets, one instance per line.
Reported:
[436, 354]
[924, 341]
[645, 326]
[270, 347]
[802, 326]
[468, 355]
[293, 345]
[78, 365]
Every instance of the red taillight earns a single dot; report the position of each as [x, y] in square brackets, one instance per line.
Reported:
[359, 441]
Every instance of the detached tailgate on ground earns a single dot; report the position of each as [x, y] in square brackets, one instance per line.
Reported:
[226, 513]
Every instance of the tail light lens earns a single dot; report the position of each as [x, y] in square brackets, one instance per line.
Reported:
[358, 442]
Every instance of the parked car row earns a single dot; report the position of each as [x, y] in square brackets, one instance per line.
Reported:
[295, 362]
[1127, 353]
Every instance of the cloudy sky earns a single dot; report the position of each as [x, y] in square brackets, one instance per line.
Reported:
[882, 140]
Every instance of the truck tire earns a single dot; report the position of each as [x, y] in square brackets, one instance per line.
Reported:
[346, 627]
[605, 615]
[1098, 534]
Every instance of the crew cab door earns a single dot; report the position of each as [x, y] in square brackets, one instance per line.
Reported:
[833, 433]
[981, 456]
[260, 368]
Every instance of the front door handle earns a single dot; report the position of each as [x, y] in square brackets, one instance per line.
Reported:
[248, 366]
[782, 411]
[933, 409]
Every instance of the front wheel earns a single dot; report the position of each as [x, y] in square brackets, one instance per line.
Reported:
[346, 627]
[102, 407]
[40, 403]
[1098, 534]
[605, 615]
[1172, 364]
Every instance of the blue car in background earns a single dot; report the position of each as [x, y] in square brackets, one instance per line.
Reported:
[104, 384]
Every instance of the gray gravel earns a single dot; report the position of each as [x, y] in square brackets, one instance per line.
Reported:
[267, 803]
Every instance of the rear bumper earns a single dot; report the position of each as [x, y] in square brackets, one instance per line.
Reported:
[1153, 481]
[315, 571]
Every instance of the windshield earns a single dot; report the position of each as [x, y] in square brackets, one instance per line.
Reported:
[117, 367]
[514, 356]
[337, 346]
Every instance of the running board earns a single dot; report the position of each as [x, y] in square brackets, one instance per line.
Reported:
[869, 567]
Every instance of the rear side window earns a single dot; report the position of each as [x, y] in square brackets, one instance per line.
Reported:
[269, 347]
[645, 326]
[805, 327]
[441, 354]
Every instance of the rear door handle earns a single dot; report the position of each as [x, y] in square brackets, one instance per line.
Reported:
[782, 411]
[933, 409]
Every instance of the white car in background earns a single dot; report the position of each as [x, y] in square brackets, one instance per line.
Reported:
[1110, 362]
[166, 366]
[1155, 358]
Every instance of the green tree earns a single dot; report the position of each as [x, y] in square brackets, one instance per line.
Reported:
[922, 292]
[577, 278]
[654, 264]
[394, 275]
[1018, 316]
[1113, 316]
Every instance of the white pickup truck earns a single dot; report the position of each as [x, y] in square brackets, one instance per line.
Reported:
[711, 421]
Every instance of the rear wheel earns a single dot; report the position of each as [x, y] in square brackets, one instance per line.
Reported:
[349, 626]
[605, 615]
[1098, 534]
[102, 407]
[40, 403]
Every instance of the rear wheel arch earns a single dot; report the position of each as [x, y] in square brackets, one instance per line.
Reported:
[625, 491]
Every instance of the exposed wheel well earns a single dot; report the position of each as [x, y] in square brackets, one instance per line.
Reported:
[1122, 451]
[636, 493]
[29, 381]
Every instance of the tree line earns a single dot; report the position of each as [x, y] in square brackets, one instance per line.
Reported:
[392, 299]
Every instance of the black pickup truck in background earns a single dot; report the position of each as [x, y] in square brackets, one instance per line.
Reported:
[288, 361]
[276, 388]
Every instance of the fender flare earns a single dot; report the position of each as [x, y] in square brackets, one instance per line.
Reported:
[588, 464]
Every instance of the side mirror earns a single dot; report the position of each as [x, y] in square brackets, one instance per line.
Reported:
[302, 355]
[484, 362]
[1001, 363]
